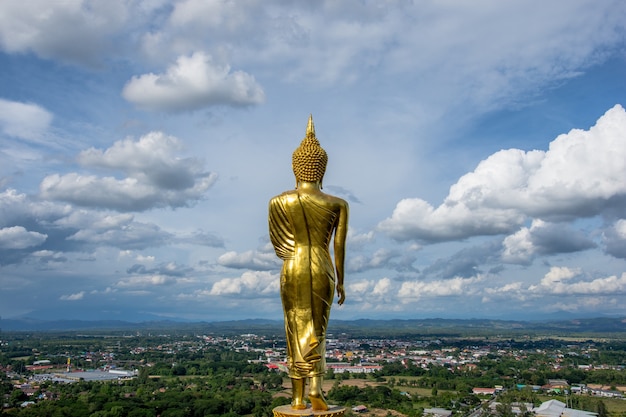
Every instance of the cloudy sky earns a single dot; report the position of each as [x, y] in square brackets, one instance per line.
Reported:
[481, 146]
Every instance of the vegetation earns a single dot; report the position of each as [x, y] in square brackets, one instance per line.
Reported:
[190, 374]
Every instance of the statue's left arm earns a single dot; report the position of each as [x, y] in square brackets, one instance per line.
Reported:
[340, 248]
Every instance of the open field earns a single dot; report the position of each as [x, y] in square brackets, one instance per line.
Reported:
[616, 407]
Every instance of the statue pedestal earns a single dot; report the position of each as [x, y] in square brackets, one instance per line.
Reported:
[287, 411]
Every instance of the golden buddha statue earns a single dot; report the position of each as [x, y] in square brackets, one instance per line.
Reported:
[302, 223]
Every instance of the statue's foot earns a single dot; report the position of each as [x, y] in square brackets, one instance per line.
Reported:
[318, 402]
[297, 397]
[298, 405]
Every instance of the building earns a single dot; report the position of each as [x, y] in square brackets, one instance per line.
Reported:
[483, 391]
[437, 412]
[341, 367]
[555, 408]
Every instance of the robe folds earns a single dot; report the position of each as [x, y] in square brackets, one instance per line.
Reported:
[301, 230]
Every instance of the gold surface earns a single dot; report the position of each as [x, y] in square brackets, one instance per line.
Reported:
[287, 411]
[302, 224]
[309, 159]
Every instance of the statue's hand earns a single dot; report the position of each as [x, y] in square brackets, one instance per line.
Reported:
[342, 294]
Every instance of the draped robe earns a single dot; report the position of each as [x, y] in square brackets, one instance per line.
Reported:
[301, 229]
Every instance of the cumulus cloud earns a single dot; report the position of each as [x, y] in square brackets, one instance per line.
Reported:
[378, 259]
[54, 34]
[557, 285]
[557, 275]
[261, 261]
[23, 120]
[382, 287]
[202, 238]
[543, 238]
[381, 258]
[127, 234]
[151, 158]
[192, 83]
[411, 291]
[155, 177]
[581, 175]
[49, 257]
[169, 269]
[249, 284]
[512, 290]
[17, 237]
[29, 224]
[568, 281]
[475, 57]
[146, 281]
[333, 43]
[373, 294]
[464, 263]
[337, 49]
[356, 239]
[73, 297]
[615, 239]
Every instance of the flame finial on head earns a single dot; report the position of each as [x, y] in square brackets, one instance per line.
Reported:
[309, 159]
[310, 127]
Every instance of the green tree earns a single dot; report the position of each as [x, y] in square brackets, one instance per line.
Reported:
[601, 409]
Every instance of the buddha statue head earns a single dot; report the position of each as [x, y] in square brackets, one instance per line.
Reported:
[309, 159]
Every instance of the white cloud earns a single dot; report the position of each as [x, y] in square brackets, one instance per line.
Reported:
[145, 259]
[98, 221]
[382, 257]
[477, 56]
[250, 260]
[146, 281]
[73, 297]
[371, 295]
[518, 247]
[133, 235]
[543, 238]
[250, 284]
[360, 287]
[17, 237]
[568, 281]
[192, 83]
[608, 305]
[382, 287]
[559, 274]
[17, 206]
[359, 239]
[71, 30]
[557, 285]
[23, 120]
[582, 170]
[156, 178]
[48, 256]
[581, 175]
[415, 290]
[188, 12]
[386, 78]
[620, 228]
[615, 239]
[513, 290]
[200, 237]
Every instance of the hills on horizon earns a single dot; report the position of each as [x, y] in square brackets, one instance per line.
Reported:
[366, 326]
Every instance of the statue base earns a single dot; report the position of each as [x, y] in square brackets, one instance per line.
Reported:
[287, 411]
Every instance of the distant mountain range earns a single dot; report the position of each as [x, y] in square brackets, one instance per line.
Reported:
[365, 327]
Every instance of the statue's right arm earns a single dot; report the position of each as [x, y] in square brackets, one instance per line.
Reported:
[340, 249]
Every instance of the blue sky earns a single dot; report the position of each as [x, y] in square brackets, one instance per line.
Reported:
[482, 149]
